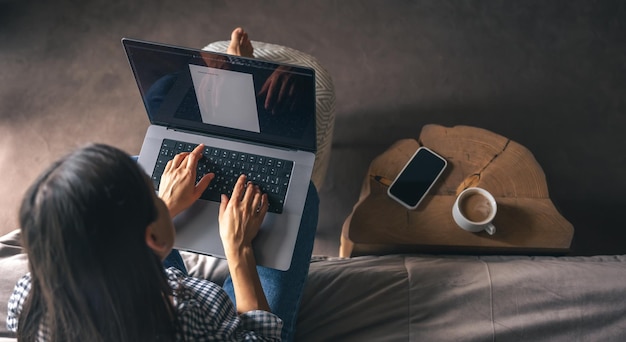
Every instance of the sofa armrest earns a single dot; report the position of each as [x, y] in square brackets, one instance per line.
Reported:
[469, 298]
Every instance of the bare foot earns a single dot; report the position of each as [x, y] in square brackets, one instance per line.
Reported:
[240, 44]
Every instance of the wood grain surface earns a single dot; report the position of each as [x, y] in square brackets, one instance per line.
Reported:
[526, 221]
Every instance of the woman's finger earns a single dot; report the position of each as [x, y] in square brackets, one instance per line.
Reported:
[223, 204]
[263, 208]
[168, 166]
[249, 195]
[178, 159]
[194, 156]
[239, 187]
[257, 200]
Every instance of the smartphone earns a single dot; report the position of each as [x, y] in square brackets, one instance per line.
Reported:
[417, 177]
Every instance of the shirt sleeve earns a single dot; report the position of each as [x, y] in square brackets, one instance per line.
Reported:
[205, 312]
[16, 301]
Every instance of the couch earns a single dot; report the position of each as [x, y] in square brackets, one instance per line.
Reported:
[432, 297]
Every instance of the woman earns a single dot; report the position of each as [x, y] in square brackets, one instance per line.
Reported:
[96, 235]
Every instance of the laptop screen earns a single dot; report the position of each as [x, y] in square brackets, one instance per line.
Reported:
[220, 94]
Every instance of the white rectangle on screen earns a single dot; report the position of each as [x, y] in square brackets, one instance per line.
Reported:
[226, 98]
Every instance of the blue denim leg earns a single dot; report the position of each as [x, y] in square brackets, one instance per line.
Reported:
[175, 260]
[283, 289]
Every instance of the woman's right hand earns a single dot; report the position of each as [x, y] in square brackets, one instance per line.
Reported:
[240, 217]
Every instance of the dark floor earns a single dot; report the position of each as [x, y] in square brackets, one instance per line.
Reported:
[550, 75]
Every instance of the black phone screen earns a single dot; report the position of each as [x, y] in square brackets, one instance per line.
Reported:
[417, 177]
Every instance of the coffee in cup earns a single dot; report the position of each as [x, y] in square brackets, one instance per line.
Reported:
[475, 207]
[474, 210]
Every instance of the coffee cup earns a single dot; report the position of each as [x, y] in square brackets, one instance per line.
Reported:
[474, 210]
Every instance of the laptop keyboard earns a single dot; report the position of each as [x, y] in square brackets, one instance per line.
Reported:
[270, 174]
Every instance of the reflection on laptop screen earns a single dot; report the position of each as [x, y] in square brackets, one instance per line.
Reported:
[226, 95]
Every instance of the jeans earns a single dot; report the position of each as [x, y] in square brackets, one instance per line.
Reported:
[283, 289]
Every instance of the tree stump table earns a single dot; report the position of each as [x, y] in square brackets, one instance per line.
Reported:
[526, 222]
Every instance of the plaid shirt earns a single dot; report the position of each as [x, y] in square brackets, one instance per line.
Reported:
[204, 312]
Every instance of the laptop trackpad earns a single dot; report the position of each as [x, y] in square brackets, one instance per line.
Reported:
[197, 230]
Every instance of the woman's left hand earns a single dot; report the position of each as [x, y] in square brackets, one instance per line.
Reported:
[178, 188]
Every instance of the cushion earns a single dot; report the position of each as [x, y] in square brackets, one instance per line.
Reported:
[324, 96]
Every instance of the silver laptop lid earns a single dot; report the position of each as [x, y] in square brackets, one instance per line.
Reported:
[229, 96]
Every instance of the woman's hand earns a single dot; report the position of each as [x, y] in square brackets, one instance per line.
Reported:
[178, 188]
[241, 216]
[240, 219]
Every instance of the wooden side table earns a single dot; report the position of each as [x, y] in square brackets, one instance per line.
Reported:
[527, 221]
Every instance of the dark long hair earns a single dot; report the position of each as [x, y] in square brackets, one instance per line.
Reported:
[93, 276]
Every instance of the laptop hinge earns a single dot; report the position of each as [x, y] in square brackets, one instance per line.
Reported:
[279, 147]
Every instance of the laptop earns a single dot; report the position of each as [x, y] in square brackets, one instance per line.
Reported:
[254, 117]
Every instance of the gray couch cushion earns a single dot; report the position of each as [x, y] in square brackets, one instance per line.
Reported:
[425, 297]
[443, 298]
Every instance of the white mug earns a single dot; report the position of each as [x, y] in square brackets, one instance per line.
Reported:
[474, 210]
